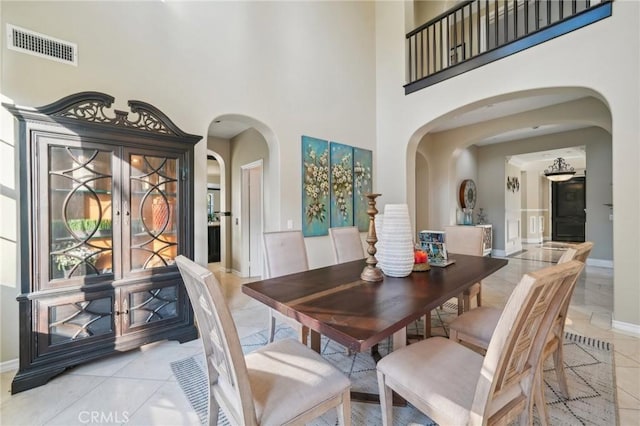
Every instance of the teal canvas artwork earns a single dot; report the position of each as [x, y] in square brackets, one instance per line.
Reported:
[362, 184]
[315, 187]
[341, 184]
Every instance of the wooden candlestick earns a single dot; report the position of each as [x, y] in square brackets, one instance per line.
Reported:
[371, 272]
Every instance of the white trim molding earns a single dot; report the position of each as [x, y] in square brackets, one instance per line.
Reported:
[10, 365]
[239, 274]
[536, 240]
[498, 253]
[626, 326]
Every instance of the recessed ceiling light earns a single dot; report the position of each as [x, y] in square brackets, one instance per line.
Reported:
[217, 121]
[535, 127]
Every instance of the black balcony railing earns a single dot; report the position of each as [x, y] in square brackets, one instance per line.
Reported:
[477, 32]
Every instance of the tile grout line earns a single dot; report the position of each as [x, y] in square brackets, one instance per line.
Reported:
[49, 420]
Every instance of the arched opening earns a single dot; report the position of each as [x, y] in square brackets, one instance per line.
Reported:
[238, 143]
[477, 140]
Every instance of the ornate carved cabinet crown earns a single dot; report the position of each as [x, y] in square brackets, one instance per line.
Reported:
[106, 205]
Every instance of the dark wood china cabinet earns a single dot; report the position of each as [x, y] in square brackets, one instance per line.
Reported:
[105, 206]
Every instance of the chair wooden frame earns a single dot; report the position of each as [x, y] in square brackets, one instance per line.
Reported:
[555, 340]
[230, 379]
[504, 389]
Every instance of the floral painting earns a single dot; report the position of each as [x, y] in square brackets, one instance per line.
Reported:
[315, 186]
[362, 184]
[341, 180]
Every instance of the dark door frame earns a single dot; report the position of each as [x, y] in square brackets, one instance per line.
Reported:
[568, 227]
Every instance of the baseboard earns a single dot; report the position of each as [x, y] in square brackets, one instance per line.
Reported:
[532, 240]
[602, 263]
[626, 326]
[238, 273]
[10, 365]
[498, 253]
[512, 251]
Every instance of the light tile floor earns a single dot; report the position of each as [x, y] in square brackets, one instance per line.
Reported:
[137, 387]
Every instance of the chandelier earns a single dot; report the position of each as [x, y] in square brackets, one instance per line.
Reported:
[559, 171]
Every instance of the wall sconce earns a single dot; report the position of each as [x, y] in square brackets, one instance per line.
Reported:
[513, 184]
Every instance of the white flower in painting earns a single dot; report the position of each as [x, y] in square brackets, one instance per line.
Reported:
[316, 178]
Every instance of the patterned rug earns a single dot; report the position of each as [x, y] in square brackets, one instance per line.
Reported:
[589, 368]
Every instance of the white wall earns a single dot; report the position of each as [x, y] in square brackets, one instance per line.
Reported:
[197, 61]
[425, 10]
[422, 192]
[612, 76]
[9, 241]
[530, 185]
[513, 225]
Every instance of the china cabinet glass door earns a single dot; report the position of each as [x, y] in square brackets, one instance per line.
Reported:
[151, 212]
[80, 199]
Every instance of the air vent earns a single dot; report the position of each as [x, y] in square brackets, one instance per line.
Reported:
[41, 45]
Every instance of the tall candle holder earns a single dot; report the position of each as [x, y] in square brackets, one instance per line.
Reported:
[371, 272]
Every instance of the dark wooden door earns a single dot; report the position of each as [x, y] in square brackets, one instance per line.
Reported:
[568, 210]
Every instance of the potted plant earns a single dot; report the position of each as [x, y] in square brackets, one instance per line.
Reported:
[66, 260]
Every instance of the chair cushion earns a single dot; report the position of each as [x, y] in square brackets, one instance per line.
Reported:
[478, 323]
[287, 379]
[441, 374]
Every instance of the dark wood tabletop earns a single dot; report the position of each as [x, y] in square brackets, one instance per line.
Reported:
[335, 302]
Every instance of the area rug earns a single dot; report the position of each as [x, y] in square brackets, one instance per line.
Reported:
[589, 368]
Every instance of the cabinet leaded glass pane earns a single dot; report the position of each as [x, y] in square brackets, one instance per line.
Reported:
[80, 182]
[153, 183]
[80, 320]
[153, 305]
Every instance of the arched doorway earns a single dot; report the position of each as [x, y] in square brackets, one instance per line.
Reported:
[485, 133]
[237, 142]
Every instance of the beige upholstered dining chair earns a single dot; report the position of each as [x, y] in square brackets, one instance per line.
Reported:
[466, 240]
[454, 385]
[347, 245]
[462, 240]
[476, 327]
[281, 383]
[285, 254]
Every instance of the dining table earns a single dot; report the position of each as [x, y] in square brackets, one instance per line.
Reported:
[335, 302]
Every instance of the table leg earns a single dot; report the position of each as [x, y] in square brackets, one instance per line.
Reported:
[399, 341]
[315, 341]
[374, 398]
[426, 330]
